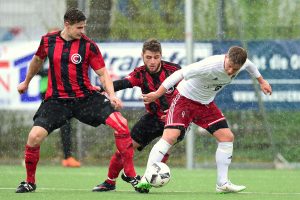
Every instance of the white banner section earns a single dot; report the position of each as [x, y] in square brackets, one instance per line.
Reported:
[120, 59]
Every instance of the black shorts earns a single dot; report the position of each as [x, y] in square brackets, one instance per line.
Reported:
[92, 110]
[147, 129]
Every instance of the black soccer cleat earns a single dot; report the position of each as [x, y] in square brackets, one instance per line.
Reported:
[134, 181]
[26, 187]
[104, 187]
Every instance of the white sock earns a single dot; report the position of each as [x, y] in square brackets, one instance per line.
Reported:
[158, 151]
[223, 160]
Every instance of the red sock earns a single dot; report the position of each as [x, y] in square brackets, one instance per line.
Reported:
[32, 156]
[112, 182]
[123, 141]
[165, 158]
[124, 145]
[115, 166]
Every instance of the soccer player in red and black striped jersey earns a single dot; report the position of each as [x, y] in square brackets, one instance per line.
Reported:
[151, 125]
[70, 94]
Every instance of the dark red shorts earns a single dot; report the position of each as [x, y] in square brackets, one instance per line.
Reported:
[183, 111]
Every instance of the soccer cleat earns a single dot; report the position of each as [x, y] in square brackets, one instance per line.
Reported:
[134, 181]
[229, 187]
[26, 187]
[143, 187]
[104, 187]
[70, 162]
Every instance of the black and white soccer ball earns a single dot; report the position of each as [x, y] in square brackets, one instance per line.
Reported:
[158, 174]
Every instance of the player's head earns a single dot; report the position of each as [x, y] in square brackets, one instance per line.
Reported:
[152, 55]
[74, 23]
[234, 60]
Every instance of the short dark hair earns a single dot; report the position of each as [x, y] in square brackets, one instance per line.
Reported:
[74, 15]
[237, 55]
[152, 45]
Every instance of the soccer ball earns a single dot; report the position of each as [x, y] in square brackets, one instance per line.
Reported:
[158, 174]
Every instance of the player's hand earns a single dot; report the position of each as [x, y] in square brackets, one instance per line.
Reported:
[99, 88]
[116, 102]
[150, 97]
[266, 87]
[22, 87]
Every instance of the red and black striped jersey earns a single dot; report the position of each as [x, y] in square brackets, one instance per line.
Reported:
[150, 82]
[69, 62]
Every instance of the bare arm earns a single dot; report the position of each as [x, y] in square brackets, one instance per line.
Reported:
[264, 85]
[34, 67]
[152, 96]
[108, 87]
[253, 71]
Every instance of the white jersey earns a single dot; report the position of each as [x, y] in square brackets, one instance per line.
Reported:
[204, 79]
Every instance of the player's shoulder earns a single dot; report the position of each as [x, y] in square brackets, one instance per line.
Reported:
[92, 44]
[216, 58]
[140, 69]
[88, 40]
[170, 66]
[210, 62]
[52, 34]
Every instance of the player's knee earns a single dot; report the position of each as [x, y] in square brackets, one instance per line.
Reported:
[118, 123]
[36, 136]
[224, 135]
[124, 122]
[122, 129]
[227, 138]
[173, 134]
[34, 140]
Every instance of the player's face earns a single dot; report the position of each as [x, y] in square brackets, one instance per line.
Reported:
[76, 30]
[231, 68]
[152, 60]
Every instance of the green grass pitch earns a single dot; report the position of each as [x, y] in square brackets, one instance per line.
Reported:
[58, 183]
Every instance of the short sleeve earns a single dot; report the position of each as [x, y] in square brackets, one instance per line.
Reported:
[41, 52]
[251, 68]
[95, 57]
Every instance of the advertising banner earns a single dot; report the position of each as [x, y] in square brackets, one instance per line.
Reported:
[278, 61]
[120, 60]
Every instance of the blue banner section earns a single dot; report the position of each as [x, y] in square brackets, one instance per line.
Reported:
[278, 59]
[279, 63]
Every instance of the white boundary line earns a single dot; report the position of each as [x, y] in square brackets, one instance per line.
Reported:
[189, 192]
[272, 193]
[271, 81]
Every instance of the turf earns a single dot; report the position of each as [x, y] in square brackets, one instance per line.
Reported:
[55, 182]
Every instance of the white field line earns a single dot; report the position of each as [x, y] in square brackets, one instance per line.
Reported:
[188, 192]
[271, 81]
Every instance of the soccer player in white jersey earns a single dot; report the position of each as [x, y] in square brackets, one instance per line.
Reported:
[194, 102]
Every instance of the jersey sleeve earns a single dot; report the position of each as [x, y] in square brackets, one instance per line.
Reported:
[173, 79]
[95, 57]
[134, 78]
[41, 52]
[122, 84]
[251, 68]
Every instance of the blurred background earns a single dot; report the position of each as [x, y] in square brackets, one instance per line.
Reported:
[266, 127]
